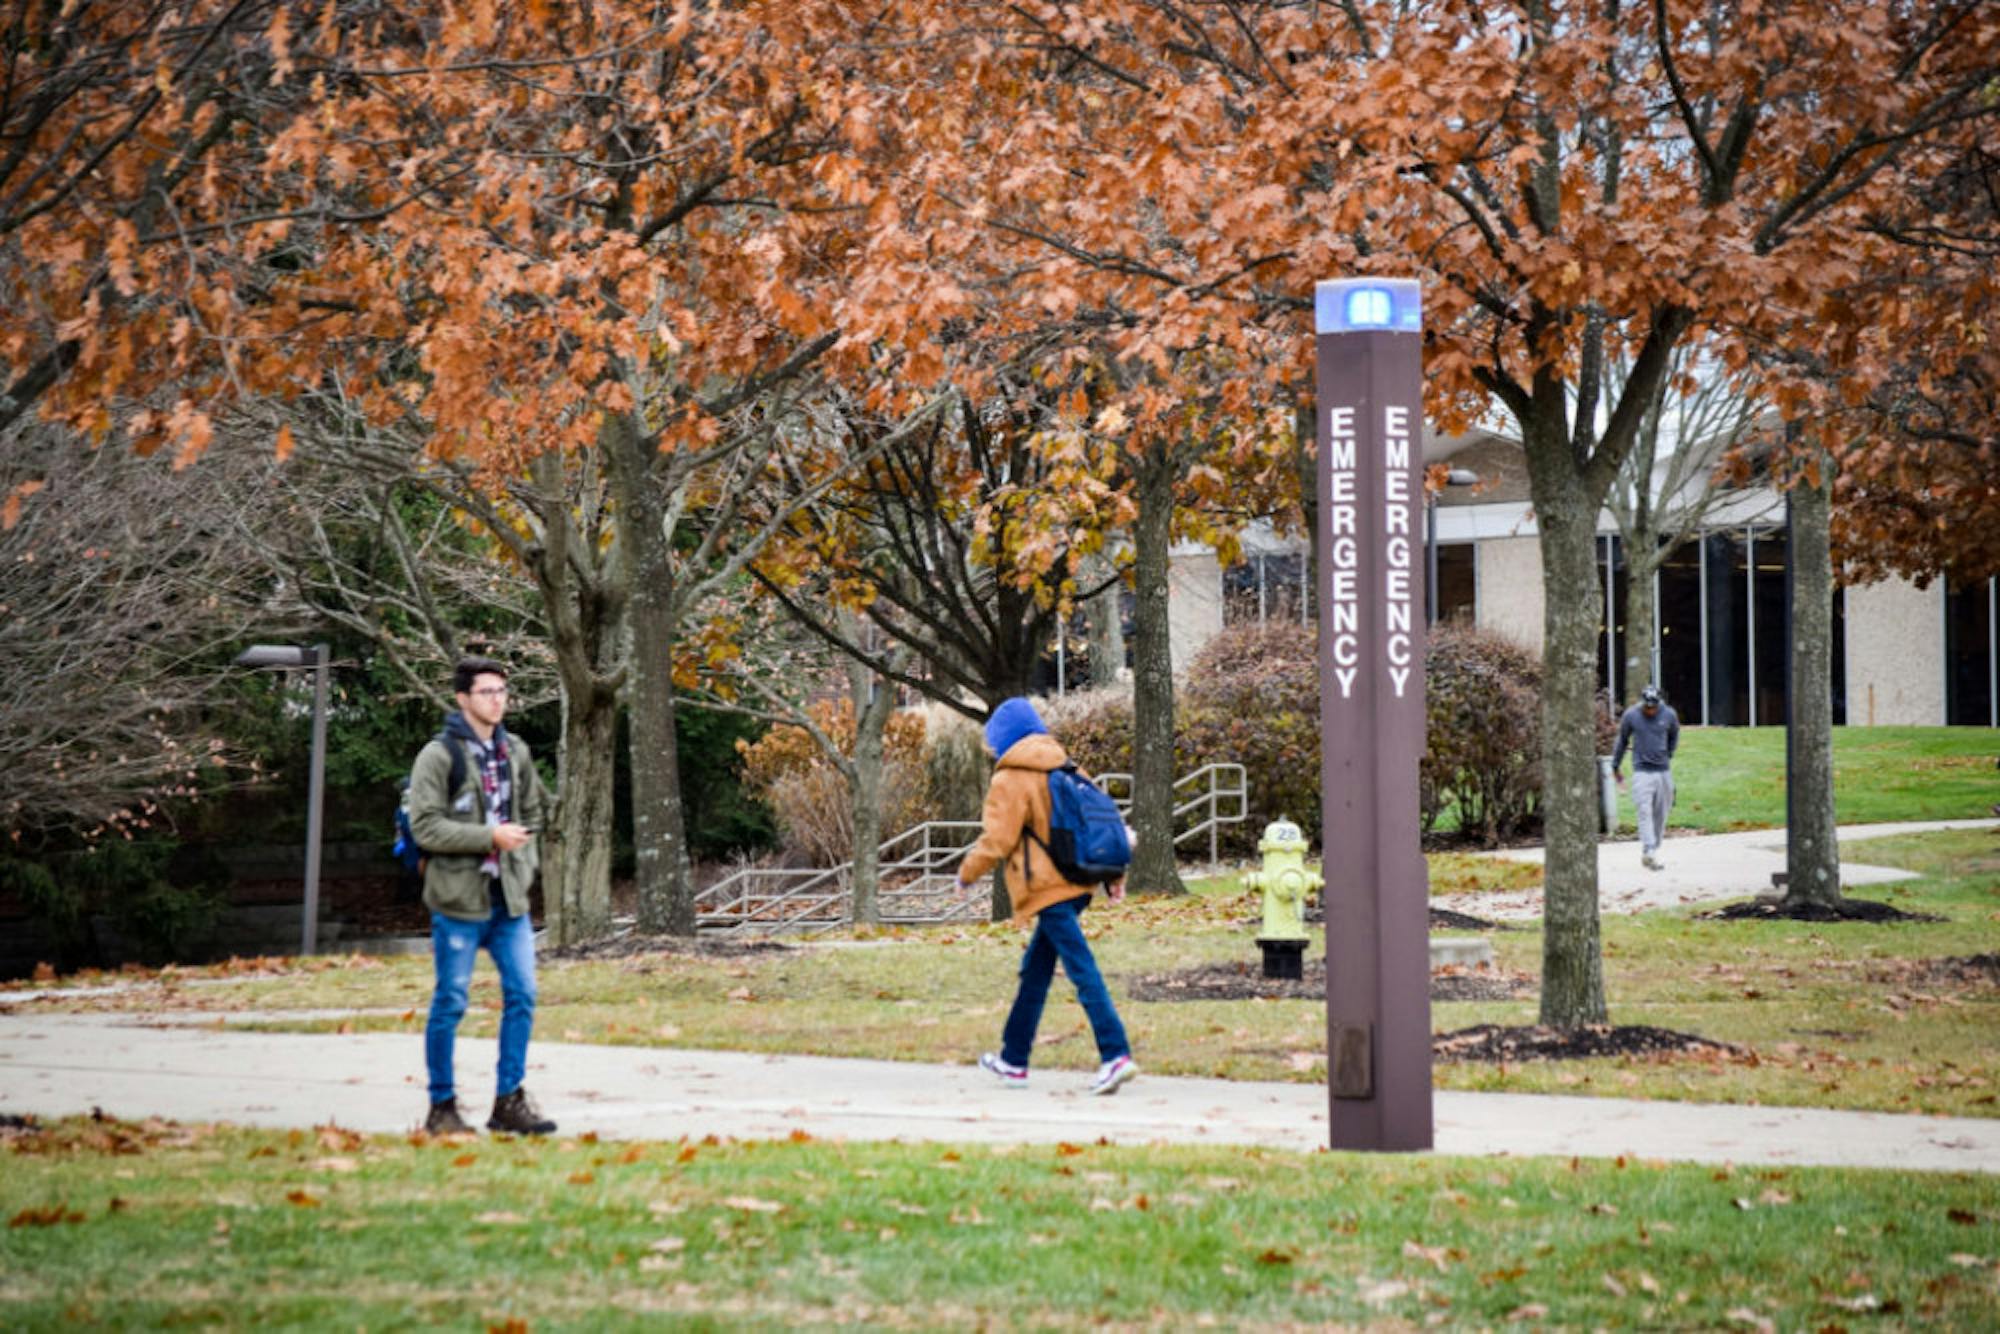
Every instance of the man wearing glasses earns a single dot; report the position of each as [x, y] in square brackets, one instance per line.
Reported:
[475, 802]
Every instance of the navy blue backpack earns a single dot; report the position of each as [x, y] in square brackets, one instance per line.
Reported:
[1087, 839]
[405, 850]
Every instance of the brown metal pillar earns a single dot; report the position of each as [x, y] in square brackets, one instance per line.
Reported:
[1369, 340]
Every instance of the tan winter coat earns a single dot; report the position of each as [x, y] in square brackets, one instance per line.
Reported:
[1018, 801]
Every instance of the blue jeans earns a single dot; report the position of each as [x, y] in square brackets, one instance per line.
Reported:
[454, 947]
[1059, 935]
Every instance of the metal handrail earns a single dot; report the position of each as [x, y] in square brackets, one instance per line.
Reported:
[925, 878]
[731, 905]
[1225, 783]
[802, 906]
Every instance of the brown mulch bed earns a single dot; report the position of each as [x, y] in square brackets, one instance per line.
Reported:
[1443, 918]
[1849, 910]
[1245, 980]
[632, 945]
[1968, 970]
[1497, 1043]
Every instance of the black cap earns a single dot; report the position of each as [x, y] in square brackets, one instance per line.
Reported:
[1650, 697]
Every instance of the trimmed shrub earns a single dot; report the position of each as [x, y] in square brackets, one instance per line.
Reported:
[1251, 696]
[1094, 726]
[1483, 753]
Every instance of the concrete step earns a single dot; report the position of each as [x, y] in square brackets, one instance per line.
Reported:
[1461, 951]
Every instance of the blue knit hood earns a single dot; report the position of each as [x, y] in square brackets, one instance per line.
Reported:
[1014, 719]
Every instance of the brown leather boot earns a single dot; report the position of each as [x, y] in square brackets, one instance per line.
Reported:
[517, 1114]
[445, 1120]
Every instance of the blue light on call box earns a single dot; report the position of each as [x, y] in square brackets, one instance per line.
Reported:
[1368, 305]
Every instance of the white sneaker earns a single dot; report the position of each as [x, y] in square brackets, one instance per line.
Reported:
[1653, 863]
[1112, 1074]
[1010, 1076]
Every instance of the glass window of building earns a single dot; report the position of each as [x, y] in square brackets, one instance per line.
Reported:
[1678, 598]
[1770, 641]
[1458, 582]
[1611, 599]
[1970, 695]
[1725, 572]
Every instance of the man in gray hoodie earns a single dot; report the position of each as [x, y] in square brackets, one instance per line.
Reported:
[1653, 730]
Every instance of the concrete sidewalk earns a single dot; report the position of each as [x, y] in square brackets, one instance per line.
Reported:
[57, 1064]
[1700, 868]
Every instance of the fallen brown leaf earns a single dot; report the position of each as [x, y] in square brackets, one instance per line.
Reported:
[751, 1204]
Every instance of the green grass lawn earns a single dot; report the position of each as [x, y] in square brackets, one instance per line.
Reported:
[151, 1226]
[1837, 1015]
[1734, 777]
[1851, 1015]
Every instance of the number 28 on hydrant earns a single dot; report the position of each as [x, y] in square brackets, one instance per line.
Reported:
[1285, 881]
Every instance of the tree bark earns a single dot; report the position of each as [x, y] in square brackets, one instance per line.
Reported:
[659, 836]
[586, 618]
[1106, 615]
[1306, 461]
[1812, 861]
[1641, 615]
[871, 723]
[1572, 961]
[576, 861]
[1153, 863]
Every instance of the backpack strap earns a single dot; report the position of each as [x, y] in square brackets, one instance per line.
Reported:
[457, 754]
[1028, 838]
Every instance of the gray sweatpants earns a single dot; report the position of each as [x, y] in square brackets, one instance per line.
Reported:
[1653, 795]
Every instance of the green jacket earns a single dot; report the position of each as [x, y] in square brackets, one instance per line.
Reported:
[453, 833]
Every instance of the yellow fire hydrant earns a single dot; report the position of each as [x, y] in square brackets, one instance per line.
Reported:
[1285, 881]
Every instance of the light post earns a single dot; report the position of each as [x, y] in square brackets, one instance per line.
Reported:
[285, 655]
[1456, 477]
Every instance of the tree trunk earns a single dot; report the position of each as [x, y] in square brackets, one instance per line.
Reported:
[1305, 460]
[1572, 961]
[871, 723]
[576, 861]
[1812, 861]
[665, 880]
[1641, 616]
[1106, 615]
[586, 617]
[1153, 863]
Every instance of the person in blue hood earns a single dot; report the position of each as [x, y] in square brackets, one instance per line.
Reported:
[1015, 819]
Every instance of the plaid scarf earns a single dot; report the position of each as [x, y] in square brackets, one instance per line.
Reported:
[496, 777]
